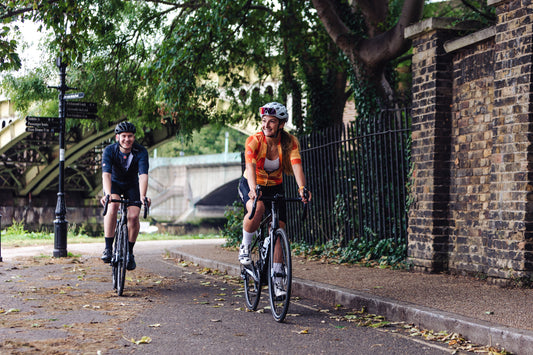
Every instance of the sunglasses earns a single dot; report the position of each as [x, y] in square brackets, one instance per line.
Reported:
[267, 111]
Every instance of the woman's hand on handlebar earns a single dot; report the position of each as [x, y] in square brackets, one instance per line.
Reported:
[254, 193]
[305, 194]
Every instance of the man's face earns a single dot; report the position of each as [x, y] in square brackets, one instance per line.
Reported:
[126, 139]
[270, 125]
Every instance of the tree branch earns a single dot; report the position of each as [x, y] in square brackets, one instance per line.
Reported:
[390, 44]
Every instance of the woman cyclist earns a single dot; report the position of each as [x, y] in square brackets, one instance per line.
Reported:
[269, 154]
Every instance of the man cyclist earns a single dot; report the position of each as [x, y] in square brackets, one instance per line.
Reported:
[269, 154]
[124, 172]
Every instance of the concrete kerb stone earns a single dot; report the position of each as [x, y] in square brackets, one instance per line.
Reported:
[517, 341]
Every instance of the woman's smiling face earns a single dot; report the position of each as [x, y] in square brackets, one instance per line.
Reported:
[271, 125]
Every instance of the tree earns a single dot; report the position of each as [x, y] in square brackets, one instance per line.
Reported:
[172, 50]
[372, 47]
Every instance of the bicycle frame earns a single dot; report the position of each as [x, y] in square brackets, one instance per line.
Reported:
[263, 266]
[121, 237]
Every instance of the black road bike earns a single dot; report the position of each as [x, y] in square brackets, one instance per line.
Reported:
[261, 271]
[119, 257]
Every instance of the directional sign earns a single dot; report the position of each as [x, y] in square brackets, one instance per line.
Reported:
[79, 109]
[36, 119]
[42, 124]
[42, 129]
[77, 95]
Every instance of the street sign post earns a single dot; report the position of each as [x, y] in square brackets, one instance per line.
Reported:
[71, 109]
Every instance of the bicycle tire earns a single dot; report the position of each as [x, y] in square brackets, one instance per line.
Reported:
[114, 258]
[252, 286]
[122, 260]
[279, 306]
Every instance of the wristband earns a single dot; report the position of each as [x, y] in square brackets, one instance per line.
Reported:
[301, 188]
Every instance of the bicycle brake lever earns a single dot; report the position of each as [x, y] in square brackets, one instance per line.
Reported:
[106, 204]
[306, 205]
[254, 206]
[145, 207]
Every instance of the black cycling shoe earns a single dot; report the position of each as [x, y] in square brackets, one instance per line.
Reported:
[106, 256]
[130, 265]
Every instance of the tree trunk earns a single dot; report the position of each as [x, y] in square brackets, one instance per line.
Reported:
[368, 57]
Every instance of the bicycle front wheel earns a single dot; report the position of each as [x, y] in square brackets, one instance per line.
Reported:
[122, 245]
[280, 275]
[251, 275]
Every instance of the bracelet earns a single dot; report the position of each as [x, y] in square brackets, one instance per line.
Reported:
[301, 188]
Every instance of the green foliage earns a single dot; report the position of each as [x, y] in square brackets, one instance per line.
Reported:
[208, 140]
[232, 230]
[31, 92]
[465, 10]
[9, 58]
[17, 235]
[373, 252]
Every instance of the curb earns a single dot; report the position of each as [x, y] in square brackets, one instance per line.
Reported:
[517, 341]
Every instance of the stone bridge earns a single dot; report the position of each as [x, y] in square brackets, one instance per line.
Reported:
[29, 171]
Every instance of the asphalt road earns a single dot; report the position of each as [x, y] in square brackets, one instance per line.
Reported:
[169, 307]
[202, 313]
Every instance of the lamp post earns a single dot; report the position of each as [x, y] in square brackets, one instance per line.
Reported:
[60, 223]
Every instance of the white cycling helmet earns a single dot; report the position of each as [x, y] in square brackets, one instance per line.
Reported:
[274, 109]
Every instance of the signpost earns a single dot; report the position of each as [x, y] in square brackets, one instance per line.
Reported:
[70, 109]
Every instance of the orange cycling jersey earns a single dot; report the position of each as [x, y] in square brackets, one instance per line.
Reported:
[255, 153]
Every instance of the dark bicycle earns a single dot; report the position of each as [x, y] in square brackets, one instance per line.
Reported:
[261, 271]
[119, 257]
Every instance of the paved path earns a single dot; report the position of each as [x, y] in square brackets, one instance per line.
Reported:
[485, 314]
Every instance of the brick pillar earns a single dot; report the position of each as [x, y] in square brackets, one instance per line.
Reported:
[431, 133]
[509, 226]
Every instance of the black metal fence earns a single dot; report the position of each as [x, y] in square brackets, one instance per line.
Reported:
[358, 175]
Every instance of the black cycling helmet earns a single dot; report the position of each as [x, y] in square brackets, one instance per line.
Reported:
[125, 127]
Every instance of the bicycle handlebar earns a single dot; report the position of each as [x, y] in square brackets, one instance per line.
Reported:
[278, 197]
[109, 199]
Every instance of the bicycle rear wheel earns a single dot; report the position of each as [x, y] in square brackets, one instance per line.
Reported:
[280, 280]
[251, 275]
[122, 245]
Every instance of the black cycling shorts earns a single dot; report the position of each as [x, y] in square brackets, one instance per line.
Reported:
[130, 191]
[244, 189]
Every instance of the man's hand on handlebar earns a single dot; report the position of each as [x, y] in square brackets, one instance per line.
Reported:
[104, 199]
[147, 201]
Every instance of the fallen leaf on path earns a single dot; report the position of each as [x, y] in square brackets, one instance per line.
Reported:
[143, 340]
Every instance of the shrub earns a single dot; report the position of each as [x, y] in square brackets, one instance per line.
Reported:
[232, 230]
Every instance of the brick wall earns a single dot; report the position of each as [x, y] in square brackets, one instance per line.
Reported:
[432, 88]
[472, 146]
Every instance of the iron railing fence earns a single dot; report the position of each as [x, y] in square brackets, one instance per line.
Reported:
[358, 175]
